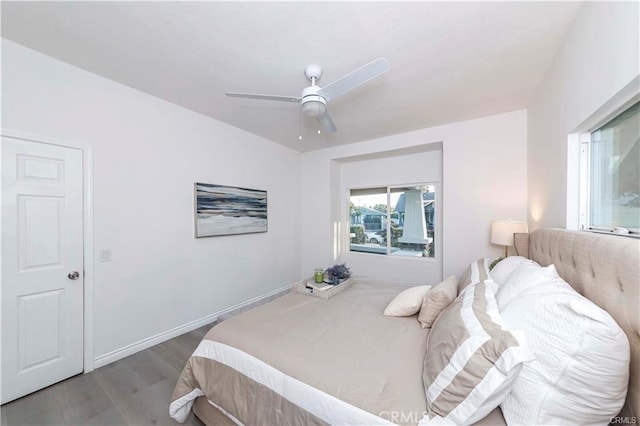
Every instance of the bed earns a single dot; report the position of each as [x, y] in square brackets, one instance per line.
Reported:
[305, 360]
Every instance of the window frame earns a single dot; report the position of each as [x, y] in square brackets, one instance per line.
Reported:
[584, 173]
[389, 188]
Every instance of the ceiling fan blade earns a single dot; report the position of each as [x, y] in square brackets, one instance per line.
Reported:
[327, 123]
[354, 79]
[263, 97]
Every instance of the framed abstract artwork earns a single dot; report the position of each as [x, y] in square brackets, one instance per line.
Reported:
[228, 210]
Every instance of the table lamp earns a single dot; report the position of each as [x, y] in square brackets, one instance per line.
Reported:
[502, 232]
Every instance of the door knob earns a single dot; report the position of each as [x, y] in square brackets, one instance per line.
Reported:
[74, 275]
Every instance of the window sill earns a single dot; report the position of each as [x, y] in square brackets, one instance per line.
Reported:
[391, 256]
[602, 231]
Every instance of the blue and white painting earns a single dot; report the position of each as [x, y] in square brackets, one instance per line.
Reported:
[227, 210]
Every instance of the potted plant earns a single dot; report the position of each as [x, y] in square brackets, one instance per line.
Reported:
[338, 273]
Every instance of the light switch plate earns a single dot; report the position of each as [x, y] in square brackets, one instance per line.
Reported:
[105, 255]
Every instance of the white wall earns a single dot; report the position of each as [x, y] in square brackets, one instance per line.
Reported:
[598, 58]
[147, 154]
[483, 178]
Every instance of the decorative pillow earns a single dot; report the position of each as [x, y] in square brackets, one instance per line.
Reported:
[436, 300]
[477, 272]
[503, 269]
[527, 275]
[581, 370]
[471, 360]
[408, 302]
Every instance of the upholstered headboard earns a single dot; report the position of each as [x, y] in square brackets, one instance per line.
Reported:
[604, 269]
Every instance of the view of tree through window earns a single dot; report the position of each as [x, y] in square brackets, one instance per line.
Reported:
[615, 172]
[396, 221]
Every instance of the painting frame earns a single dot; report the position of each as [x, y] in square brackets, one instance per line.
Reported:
[221, 210]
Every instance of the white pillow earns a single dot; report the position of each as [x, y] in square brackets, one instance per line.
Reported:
[528, 274]
[503, 269]
[408, 302]
[581, 370]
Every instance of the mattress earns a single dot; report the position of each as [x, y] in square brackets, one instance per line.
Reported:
[211, 416]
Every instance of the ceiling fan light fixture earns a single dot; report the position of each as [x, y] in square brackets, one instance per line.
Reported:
[314, 106]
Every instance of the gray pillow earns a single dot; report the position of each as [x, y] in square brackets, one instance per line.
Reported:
[477, 272]
[471, 361]
[436, 299]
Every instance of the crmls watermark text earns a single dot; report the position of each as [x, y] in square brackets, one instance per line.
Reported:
[399, 417]
[624, 420]
[414, 417]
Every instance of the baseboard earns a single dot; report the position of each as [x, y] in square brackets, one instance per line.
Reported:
[140, 345]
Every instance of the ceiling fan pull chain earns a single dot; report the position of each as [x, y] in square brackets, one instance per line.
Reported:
[300, 123]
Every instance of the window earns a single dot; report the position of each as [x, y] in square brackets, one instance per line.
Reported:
[394, 221]
[611, 157]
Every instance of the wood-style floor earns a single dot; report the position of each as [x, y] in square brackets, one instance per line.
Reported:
[132, 391]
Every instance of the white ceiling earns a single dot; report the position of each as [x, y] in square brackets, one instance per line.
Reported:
[450, 61]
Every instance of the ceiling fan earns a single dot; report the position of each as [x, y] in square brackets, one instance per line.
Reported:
[313, 101]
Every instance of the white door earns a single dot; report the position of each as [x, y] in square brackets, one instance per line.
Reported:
[42, 237]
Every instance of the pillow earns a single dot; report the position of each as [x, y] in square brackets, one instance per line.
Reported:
[478, 271]
[503, 269]
[527, 275]
[581, 370]
[436, 300]
[408, 302]
[471, 360]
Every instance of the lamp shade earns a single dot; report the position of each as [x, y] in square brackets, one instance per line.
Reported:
[502, 231]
